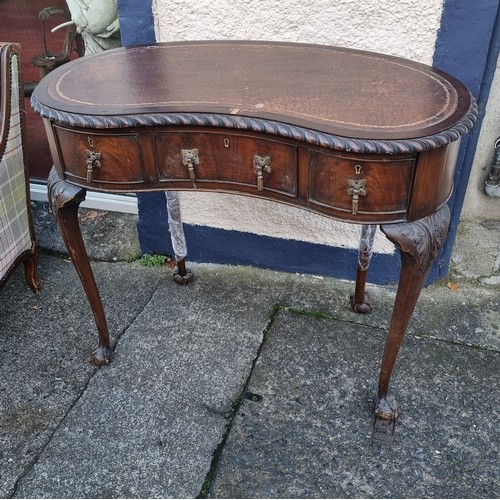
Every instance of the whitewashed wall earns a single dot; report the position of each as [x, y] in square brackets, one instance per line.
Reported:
[476, 204]
[403, 28]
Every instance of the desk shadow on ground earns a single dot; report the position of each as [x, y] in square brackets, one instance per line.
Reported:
[304, 429]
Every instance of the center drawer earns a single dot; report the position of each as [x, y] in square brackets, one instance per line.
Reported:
[210, 157]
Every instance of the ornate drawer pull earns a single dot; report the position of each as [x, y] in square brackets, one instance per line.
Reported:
[356, 188]
[190, 158]
[261, 164]
[93, 161]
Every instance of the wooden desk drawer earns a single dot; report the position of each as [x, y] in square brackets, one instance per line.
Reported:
[357, 186]
[228, 159]
[113, 160]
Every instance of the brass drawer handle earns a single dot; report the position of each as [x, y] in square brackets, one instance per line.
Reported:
[93, 161]
[261, 164]
[190, 158]
[356, 188]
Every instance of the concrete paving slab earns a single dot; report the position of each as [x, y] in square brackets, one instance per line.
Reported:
[304, 430]
[456, 310]
[45, 341]
[147, 425]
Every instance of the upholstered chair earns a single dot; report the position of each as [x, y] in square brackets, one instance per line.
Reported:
[17, 237]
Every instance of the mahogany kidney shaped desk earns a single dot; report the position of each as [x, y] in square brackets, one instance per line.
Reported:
[361, 137]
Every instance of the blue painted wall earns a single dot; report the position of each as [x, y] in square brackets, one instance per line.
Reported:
[136, 22]
[466, 47]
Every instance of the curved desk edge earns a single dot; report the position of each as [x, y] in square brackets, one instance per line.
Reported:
[281, 129]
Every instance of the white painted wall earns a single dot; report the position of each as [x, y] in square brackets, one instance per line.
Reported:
[403, 28]
[476, 204]
[476, 253]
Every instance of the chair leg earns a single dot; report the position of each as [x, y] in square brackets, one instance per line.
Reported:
[30, 271]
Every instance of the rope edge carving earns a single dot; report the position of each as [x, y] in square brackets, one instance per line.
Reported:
[363, 146]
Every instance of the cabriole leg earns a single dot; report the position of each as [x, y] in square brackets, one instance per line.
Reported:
[64, 200]
[359, 301]
[419, 244]
[182, 275]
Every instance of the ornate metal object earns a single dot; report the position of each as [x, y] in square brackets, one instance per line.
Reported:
[47, 61]
[261, 164]
[492, 183]
[190, 158]
[356, 188]
[93, 161]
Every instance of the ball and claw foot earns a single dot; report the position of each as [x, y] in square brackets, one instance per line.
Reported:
[183, 279]
[386, 413]
[364, 308]
[386, 407]
[101, 356]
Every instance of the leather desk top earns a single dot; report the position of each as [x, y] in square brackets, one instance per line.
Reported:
[335, 91]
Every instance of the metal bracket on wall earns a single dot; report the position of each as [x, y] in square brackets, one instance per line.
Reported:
[492, 183]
